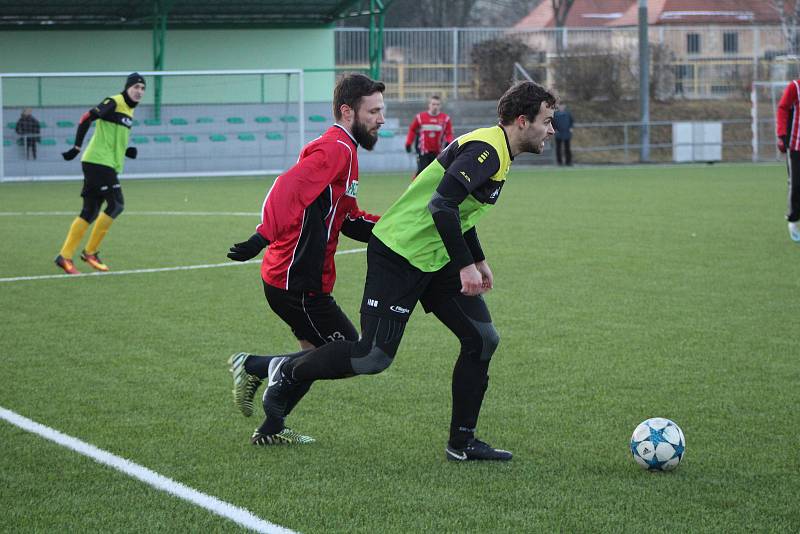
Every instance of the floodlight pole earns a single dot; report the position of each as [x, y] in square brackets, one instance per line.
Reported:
[159, 38]
[644, 83]
[2, 148]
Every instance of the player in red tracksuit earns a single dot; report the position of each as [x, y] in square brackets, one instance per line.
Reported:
[430, 132]
[787, 123]
[303, 213]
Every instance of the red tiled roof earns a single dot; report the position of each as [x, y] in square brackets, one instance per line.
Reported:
[584, 14]
[603, 13]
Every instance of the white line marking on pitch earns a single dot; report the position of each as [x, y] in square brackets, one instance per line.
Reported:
[153, 270]
[212, 504]
[192, 213]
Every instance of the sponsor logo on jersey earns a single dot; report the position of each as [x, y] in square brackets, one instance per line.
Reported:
[465, 175]
[483, 156]
[372, 303]
[126, 121]
[352, 189]
[494, 193]
[398, 309]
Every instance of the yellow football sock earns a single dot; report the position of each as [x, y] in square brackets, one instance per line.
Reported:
[74, 236]
[101, 226]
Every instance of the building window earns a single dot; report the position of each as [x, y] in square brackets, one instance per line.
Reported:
[730, 42]
[693, 43]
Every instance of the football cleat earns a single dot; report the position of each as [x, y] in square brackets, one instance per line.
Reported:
[287, 436]
[794, 232]
[94, 261]
[244, 384]
[66, 264]
[476, 450]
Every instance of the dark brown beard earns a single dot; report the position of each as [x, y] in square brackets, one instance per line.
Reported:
[363, 136]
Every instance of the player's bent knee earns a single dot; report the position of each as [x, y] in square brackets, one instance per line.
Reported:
[490, 339]
[375, 361]
[88, 215]
[115, 210]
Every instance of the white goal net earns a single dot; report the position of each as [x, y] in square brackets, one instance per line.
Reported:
[189, 123]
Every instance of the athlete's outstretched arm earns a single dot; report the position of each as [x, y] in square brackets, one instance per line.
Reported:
[358, 224]
[103, 109]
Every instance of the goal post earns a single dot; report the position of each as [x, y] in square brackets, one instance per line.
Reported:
[764, 98]
[189, 123]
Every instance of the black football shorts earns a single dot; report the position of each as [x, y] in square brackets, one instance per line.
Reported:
[394, 286]
[314, 317]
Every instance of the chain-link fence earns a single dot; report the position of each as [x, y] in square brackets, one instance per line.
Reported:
[687, 61]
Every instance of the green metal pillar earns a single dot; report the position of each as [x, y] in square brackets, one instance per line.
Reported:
[375, 10]
[376, 16]
[159, 39]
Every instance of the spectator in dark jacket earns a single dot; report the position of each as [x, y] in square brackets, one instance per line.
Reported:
[28, 130]
[562, 121]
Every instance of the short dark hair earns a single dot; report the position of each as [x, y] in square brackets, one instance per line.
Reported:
[350, 89]
[523, 98]
[435, 97]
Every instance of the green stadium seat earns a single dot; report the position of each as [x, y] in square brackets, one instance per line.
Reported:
[288, 118]
[247, 137]
[65, 124]
[12, 125]
[162, 139]
[263, 120]
[189, 138]
[177, 121]
[42, 124]
[48, 141]
[141, 140]
[317, 118]
[274, 136]
[70, 141]
[135, 122]
[218, 138]
[235, 120]
[204, 120]
[152, 122]
[7, 142]
[385, 133]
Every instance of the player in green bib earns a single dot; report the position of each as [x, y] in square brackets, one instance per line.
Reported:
[425, 249]
[102, 161]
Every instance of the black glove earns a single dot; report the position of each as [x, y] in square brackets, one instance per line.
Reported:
[131, 152]
[408, 149]
[70, 154]
[247, 250]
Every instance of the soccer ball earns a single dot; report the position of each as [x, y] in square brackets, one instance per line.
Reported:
[658, 444]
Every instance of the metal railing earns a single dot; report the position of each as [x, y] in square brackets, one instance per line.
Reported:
[711, 64]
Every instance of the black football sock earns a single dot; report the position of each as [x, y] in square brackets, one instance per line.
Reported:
[270, 426]
[328, 362]
[470, 381]
[259, 365]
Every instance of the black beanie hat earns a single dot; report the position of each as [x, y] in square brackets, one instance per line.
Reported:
[133, 79]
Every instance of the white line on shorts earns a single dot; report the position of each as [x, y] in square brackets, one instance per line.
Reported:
[212, 504]
[154, 270]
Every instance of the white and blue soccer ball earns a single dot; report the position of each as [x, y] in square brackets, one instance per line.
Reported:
[658, 444]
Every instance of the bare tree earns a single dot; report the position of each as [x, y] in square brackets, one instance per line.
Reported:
[460, 14]
[789, 11]
[561, 10]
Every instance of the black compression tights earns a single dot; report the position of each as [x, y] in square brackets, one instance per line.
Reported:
[374, 352]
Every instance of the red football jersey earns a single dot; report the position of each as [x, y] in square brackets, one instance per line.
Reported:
[306, 208]
[788, 117]
[432, 132]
